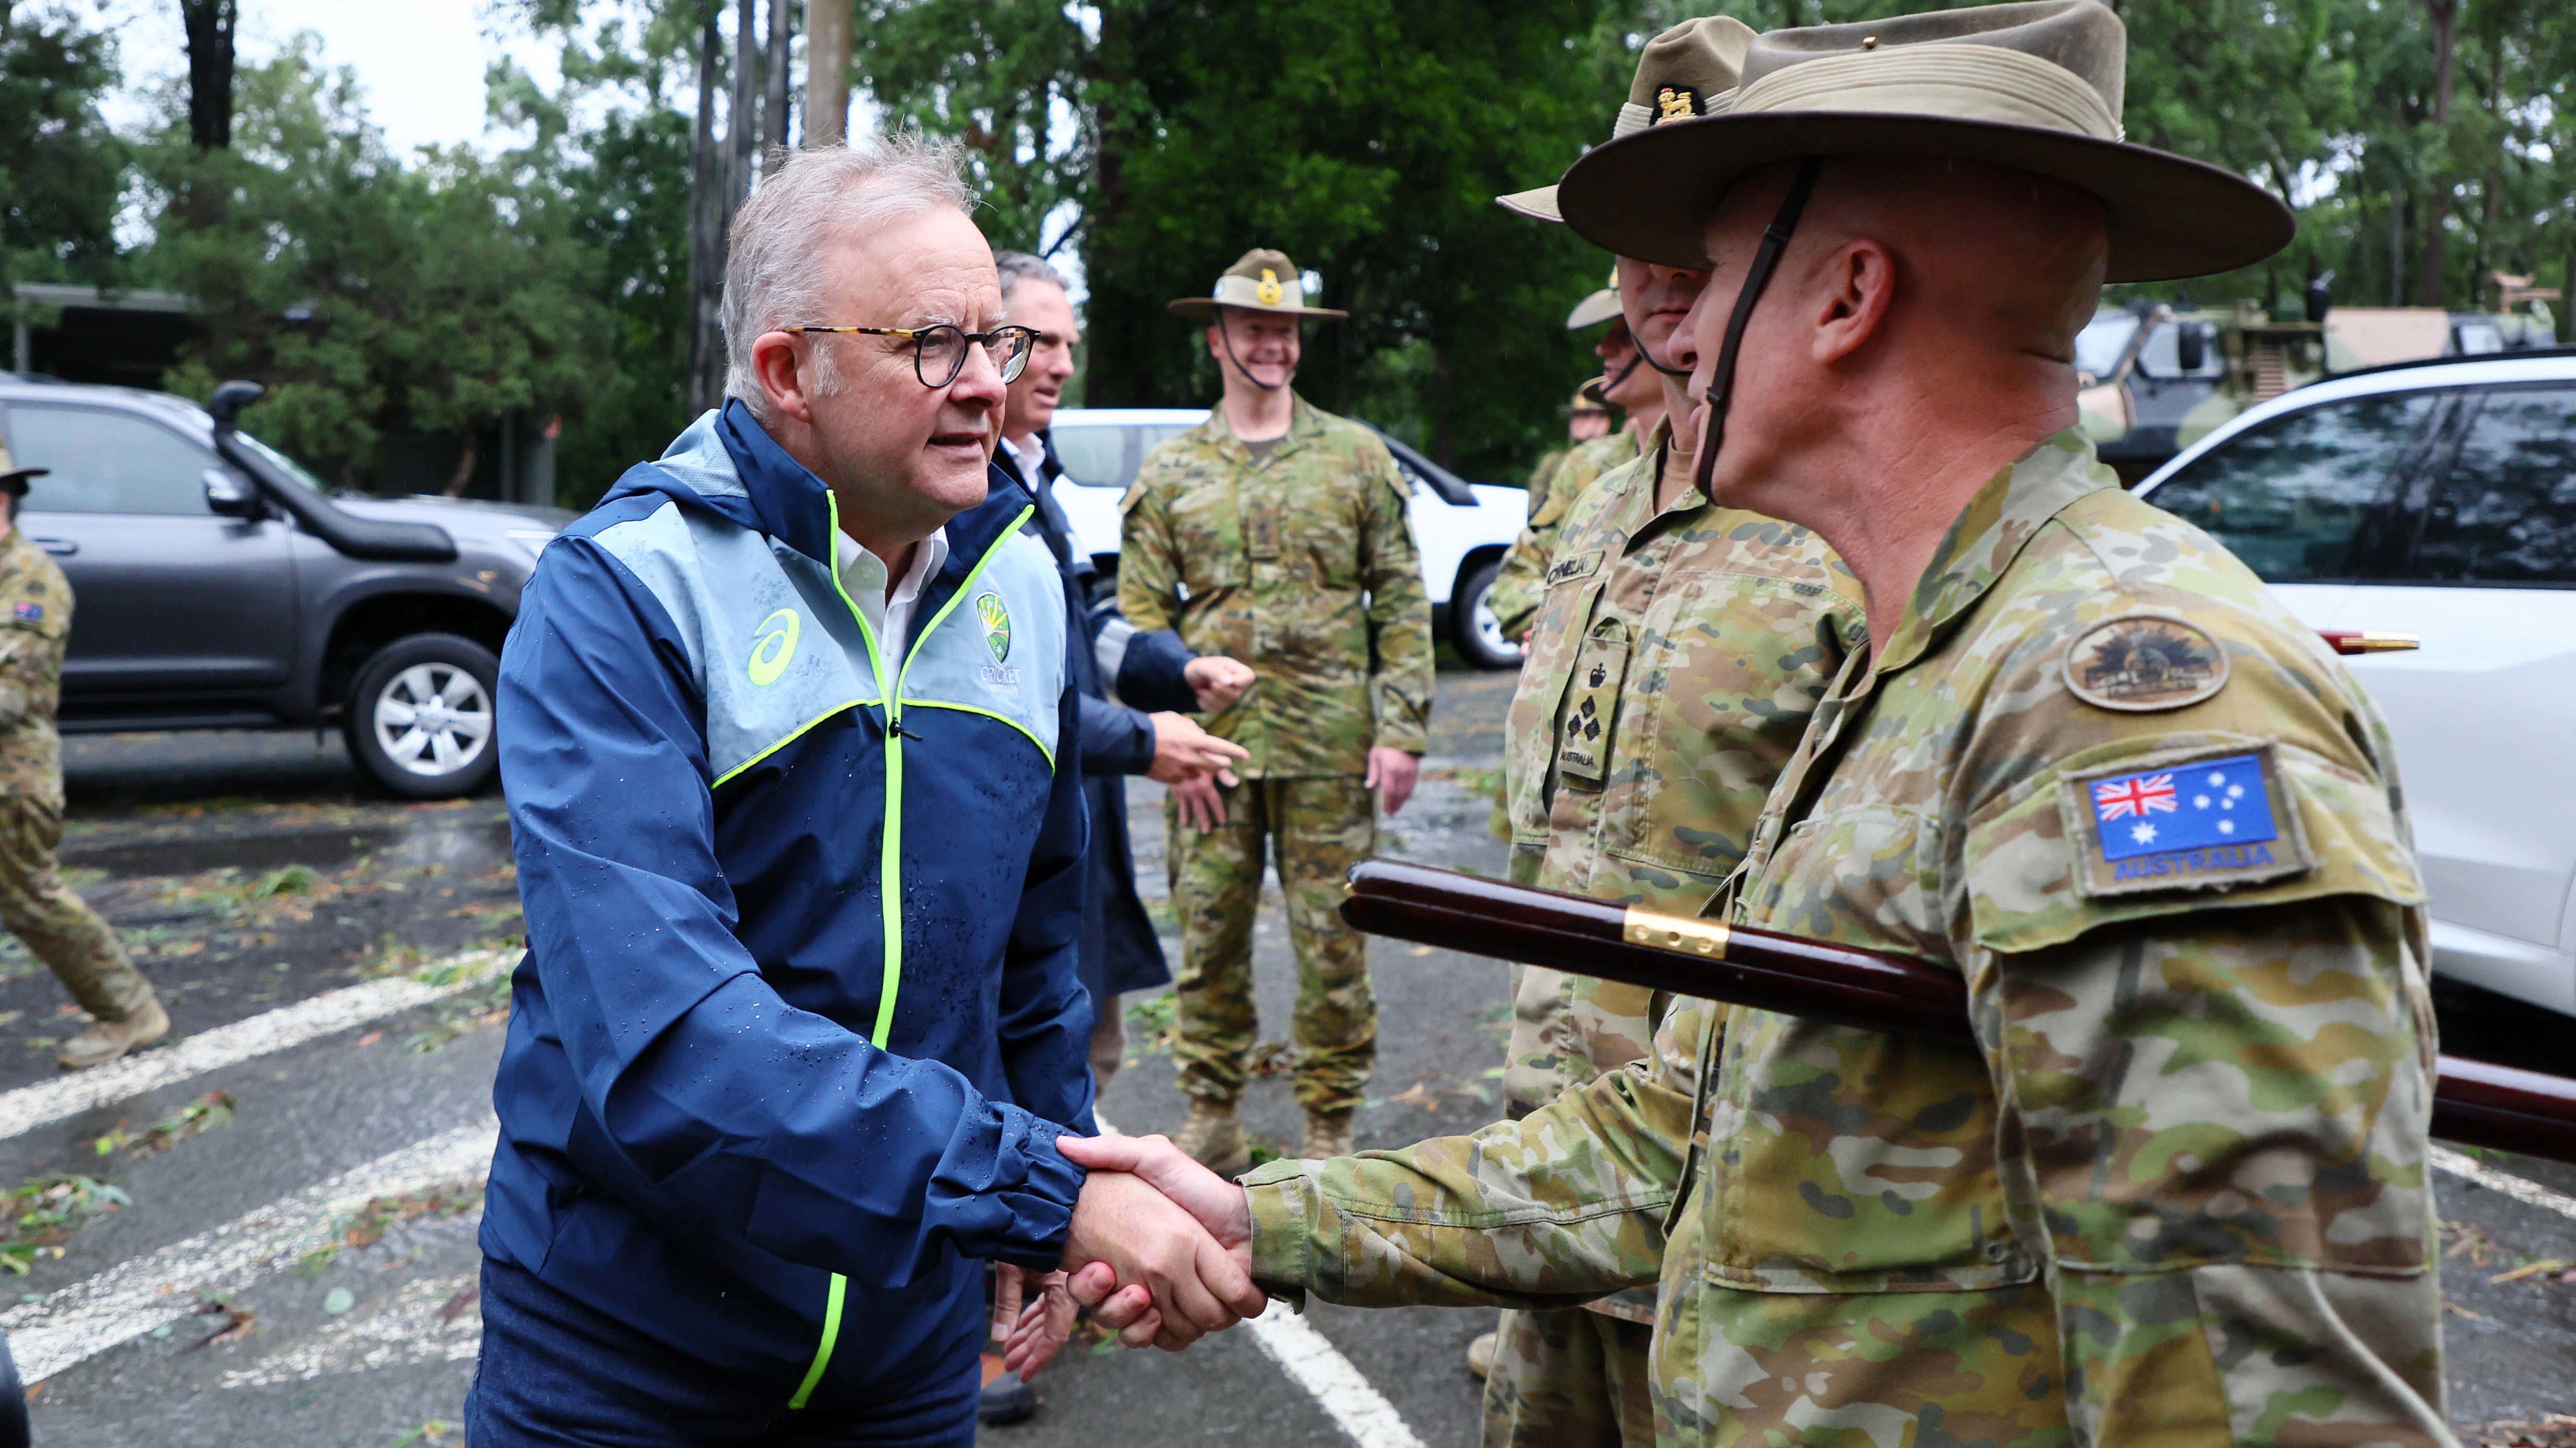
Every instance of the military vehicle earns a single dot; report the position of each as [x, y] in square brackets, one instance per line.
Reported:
[2154, 377]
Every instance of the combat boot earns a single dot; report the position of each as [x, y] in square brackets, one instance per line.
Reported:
[104, 1041]
[1213, 1137]
[1328, 1133]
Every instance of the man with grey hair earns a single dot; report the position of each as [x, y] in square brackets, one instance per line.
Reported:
[788, 737]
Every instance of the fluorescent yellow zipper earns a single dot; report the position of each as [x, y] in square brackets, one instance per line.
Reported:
[889, 857]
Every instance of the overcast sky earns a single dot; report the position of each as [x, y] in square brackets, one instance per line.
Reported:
[421, 61]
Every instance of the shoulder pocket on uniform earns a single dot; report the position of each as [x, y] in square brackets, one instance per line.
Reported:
[2119, 833]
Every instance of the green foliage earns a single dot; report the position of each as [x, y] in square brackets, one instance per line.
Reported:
[2424, 143]
[1366, 139]
[61, 169]
[370, 294]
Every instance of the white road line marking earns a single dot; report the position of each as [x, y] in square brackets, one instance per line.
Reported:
[2461, 1165]
[29, 1107]
[399, 1333]
[1312, 1362]
[137, 1295]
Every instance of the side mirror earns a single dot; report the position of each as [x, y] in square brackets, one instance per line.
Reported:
[2191, 348]
[228, 497]
[225, 407]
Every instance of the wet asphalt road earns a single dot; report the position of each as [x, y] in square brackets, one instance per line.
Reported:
[251, 875]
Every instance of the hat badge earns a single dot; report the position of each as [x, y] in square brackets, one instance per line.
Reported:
[1676, 103]
[1269, 291]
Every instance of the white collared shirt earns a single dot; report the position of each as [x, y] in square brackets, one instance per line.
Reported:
[863, 574]
[1031, 456]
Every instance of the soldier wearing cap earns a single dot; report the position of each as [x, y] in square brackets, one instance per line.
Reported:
[1275, 533]
[1677, 655]
[1587, 417]
[1625, 382]
[2179, 1189]
[56, 925]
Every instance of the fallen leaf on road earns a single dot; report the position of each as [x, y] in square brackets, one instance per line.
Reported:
[338, 1300]
[463, 1299]
[370, 1038]
[2530, 1269]
[2454, 1307]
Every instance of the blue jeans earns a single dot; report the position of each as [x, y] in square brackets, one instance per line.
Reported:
[554, 1372]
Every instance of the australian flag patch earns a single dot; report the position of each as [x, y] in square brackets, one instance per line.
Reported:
[2205, 823]
[31, 613]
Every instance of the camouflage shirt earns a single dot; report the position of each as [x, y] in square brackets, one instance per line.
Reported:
[2179, 1188]
[1515, 594]
[1674, 664]
[1300, 564]
[35, 624]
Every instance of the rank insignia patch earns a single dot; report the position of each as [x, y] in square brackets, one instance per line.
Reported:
[31, 612]
[2143, 663]
[2204, 823]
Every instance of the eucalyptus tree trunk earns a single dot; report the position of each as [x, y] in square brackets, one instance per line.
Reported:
[742, 114]
[210, 25]
[827, 72]
[773, 76]
[707, 215]
[2429, 278]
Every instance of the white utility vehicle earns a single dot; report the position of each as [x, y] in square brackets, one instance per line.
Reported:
[2437, 499]
[1462, 528]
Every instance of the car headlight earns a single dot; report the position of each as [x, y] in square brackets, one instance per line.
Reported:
[531, 541]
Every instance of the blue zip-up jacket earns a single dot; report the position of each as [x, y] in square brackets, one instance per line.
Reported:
[736, 876]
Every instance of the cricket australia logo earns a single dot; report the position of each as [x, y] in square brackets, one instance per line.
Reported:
[772, 645]
[996, 618]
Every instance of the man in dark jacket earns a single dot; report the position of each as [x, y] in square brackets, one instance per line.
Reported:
[1135, 673]
[788, 733]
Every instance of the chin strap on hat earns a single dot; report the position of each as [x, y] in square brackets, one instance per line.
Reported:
[1721, 382]
[1225, 338]
[1612, 384]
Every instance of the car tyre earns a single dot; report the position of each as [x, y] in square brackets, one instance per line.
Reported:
[1472, 625]
[420, 717]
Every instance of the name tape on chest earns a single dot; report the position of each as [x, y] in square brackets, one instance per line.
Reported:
[2209, 822]
[1567, 570]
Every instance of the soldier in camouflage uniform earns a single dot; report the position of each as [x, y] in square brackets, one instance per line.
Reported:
[1275, 533]
[1625, 382]
[1677, 655]
[35, 904]
[2178, 1190]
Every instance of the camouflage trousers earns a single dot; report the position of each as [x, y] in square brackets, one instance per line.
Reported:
[1315, 829]
[1570, 1378]
[57, 927]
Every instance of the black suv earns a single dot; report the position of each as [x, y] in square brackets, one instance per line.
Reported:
[218, 585]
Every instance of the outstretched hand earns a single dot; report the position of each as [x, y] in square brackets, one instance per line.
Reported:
[1218, 1207]
[1144, 1237]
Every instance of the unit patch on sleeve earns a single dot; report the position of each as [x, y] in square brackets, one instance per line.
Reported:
[2205, 823]
[2142, 663]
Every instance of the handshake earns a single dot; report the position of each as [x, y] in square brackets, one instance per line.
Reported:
[1160, 1249]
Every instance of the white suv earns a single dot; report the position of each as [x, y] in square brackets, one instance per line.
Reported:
[1462, 528]
[2437, 499]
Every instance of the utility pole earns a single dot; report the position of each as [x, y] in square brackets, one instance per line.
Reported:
[827, 72]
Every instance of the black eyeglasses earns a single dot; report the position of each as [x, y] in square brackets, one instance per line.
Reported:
[939, 352]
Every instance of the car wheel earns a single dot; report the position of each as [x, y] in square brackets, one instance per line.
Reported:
[1472, 625]
[419, 720]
